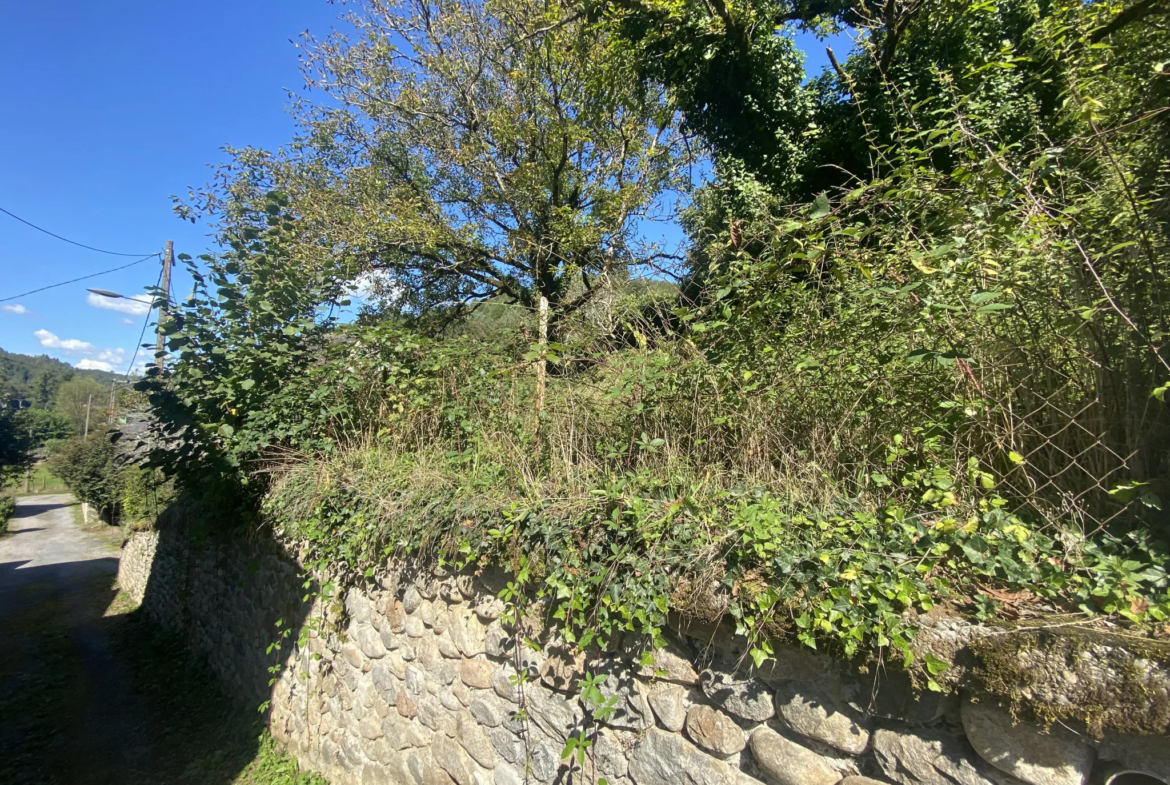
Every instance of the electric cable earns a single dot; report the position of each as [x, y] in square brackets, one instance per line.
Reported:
[82, 278]
[142, 334]
[66, 239]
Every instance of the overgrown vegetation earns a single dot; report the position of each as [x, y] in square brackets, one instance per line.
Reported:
[86, 466]
[916, 359]
[274, 766]
[119, 491]
[7, 510]
[24, 436]
[44, 402]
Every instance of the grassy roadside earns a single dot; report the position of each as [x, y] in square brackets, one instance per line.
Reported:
[41, 480]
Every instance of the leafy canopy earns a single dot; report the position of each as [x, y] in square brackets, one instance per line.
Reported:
[733, 70]
[472, 150]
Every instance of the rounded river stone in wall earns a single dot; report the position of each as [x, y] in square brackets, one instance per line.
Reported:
[714, 731]
[926, 757]
[788, 763]
[663, 758]
[748, 699]
[668, 707]
[809, 712]
[1038, 757]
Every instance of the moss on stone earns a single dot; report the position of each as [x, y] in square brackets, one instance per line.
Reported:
[1077, 676]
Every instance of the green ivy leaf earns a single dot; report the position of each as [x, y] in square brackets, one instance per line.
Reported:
[934, 665]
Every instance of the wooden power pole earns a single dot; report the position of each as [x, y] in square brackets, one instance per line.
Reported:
[164, 306]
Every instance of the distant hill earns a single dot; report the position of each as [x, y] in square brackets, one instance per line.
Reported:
[38, 377]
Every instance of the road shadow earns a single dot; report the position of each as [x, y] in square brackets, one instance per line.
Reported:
[231, 595]
[92, 693]
[33, 510]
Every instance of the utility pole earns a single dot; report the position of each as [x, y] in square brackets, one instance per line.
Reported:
[164, 306]
[110, 417]
[28, 471]
[88, 403]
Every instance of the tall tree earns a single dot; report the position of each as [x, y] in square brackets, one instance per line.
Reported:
[80, 394]
[732, 68]
[45, 383]
[14, 455]
[472, 150]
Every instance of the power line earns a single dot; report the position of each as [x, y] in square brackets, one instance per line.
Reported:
[143, 333]
[75, 280]
[66, 239]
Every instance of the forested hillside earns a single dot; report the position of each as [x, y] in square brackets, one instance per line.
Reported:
[43, 402]
[911, 359]
[38, 378]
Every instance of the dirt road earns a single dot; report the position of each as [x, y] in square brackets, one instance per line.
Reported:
[51, 539]
[56, 582]
[89, 692]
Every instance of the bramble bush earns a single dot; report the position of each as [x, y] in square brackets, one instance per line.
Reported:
[142, 494]
[119, 491]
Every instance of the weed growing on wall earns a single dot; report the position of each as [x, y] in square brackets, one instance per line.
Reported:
[617, 560]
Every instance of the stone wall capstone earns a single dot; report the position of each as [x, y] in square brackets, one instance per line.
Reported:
[412, 679]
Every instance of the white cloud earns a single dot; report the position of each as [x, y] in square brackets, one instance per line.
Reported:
[50, 341]
[15, 308]
[127, 321]
[88, 355]
[121, 305]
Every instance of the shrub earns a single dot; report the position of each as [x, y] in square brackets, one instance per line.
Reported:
[7, 510]
[86, 466]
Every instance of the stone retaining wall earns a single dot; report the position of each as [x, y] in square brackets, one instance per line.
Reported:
[413, 680]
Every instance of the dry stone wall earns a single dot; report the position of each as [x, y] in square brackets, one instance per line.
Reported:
[416, 680]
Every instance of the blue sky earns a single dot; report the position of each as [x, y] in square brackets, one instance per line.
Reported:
[106, 111]
[109, 109]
